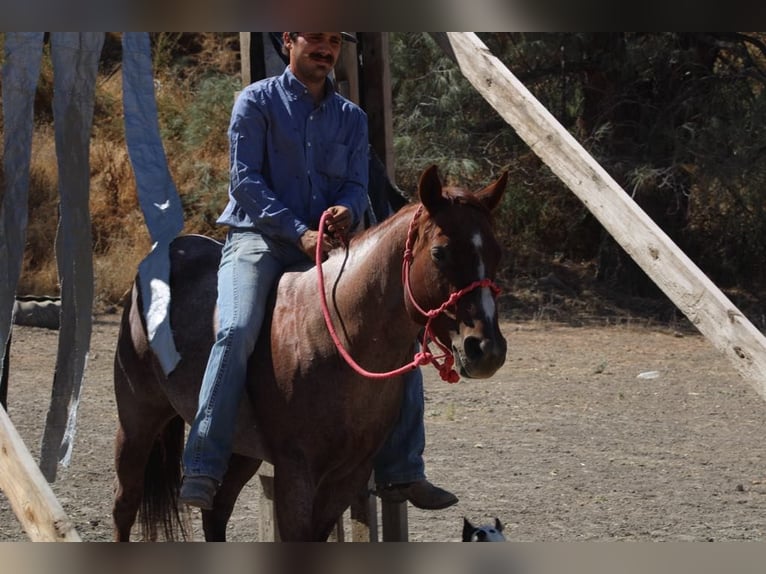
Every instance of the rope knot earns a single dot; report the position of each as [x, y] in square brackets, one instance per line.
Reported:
[422, 358]
[446, 370]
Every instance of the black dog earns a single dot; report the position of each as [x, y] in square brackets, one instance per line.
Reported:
[484, 533]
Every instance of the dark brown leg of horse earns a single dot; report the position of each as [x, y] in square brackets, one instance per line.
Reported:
[294, 491]
[141, 420]
[132, 450]
[241, 470]
[149, 439]
[332, 499]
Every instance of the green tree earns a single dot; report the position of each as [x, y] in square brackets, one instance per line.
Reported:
[676, 118]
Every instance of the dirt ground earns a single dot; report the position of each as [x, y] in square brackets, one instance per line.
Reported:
[600, 433]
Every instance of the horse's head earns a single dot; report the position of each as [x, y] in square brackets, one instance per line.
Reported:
[455, 250]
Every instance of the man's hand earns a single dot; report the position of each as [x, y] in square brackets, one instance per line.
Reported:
[309, 240]
[338, 220]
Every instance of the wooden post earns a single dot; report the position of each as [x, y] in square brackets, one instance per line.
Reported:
[268, 528]
[371, 89]
[268, 531]
[258, 58]
[394, 518]
[29, 493]
[4, 375]
[375, 98]
[347, 72]
[708, 309]
[246, 57]
[364, 516]
[375, 95]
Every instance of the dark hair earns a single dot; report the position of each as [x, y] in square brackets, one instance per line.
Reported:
[293, 36]
[346, 36]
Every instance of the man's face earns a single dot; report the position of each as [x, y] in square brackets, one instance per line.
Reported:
[313, 54]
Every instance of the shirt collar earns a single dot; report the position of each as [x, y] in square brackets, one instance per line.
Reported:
[296, 89]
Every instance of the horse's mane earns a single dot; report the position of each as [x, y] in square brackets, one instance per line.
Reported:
[389, 221]
[454, 194]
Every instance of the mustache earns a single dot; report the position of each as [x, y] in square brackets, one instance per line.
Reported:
[323, 57]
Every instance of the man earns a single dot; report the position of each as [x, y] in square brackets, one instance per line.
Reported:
[297, 149]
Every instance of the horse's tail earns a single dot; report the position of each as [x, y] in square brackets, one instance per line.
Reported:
[162, 482]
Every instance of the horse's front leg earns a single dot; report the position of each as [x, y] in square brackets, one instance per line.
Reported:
[336, 494]
[294, 494]
[241, 469]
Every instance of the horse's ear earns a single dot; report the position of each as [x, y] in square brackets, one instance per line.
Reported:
[430, 190]
[498, 524]
[491, 195]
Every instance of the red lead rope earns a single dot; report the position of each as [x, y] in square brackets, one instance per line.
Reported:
[445, 367]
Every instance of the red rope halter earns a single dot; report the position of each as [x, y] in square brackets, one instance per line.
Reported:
[446, 366]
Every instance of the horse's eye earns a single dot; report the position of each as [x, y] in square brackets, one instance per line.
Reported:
[439, 254]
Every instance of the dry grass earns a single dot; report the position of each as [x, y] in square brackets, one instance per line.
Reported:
[39, 273]
[119, 233]
[193, 120]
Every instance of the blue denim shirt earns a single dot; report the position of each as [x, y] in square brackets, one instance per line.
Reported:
[291, 159]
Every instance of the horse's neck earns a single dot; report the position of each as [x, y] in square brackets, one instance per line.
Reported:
[370, 281]
[377, 256]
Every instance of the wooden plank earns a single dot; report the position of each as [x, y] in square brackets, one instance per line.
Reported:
[364, 515]
[268, 531]
[394, 519]
[375, 95]
[4, 375]
[29, 493]
[268, 528]
[245, 65]
[258, 57]
[716, 317]
[347, 72]
[251, 54]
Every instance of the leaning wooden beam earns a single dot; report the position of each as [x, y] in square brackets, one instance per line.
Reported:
[716, 317]
[30, 496]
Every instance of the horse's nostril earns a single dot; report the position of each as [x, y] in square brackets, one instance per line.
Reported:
[472, 346]
[478, 349]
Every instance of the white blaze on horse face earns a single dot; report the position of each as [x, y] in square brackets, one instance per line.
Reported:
[477, 243]
[487, 300]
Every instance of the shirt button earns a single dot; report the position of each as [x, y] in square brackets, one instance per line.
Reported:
[309, 144]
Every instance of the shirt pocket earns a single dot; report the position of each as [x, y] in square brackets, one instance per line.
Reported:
[334, 164]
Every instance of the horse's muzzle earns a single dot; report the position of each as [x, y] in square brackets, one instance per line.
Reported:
[478, 357]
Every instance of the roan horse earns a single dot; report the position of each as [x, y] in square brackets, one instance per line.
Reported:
[315, 418]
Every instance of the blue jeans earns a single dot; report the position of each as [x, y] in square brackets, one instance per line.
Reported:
[401, 457]
[250, 267]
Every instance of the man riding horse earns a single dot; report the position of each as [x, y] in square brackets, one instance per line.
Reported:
[298, 149]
